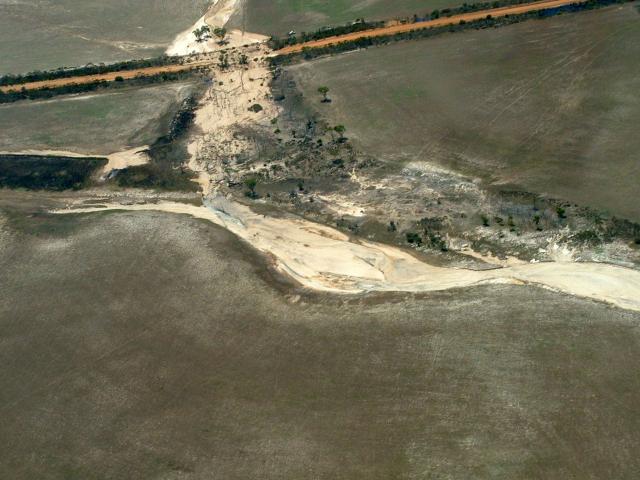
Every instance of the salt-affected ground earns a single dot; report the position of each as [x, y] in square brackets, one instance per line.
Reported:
[324, 259]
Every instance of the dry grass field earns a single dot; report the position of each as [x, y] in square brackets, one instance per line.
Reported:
[101, 123]
[46, 34]
[278, 17]
[143, 345]
[547, 106]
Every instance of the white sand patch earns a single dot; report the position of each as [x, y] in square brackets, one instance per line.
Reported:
[127, 158]
[322, 258]
[217, 16]
[341, 206]
[490, 258]
[224, 108]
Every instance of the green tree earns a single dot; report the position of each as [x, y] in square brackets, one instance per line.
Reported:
[221, 33]
[340, 129]
[324, 91]
[251, 183]
[223, 61]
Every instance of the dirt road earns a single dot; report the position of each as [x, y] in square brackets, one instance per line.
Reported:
[440, 22]
[109, 77]
[150, 71]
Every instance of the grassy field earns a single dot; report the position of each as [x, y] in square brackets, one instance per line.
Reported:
[45, 34]
[277, 17]
[143, 345]
[547, 106]
[91, 124]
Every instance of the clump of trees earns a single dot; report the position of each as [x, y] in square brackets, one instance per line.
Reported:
[221, 33]
[206, 32]
[203, 33]
[251, 183]
[223, 61]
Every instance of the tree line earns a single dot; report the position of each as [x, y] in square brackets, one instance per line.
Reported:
[90, 69]
[361, 25]
[45, 93]
[487, 22]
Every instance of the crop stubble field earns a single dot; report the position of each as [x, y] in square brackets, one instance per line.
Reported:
[148, 345]
[46, 34]
[548, 106]
[278, 17]
[100, 123]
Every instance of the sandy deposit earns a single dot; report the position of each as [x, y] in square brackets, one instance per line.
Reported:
[324, 259]
[224, 108]
[217, 16]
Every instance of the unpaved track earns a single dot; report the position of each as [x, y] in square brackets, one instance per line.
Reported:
[324, 259]
[378, 32]
[440, 22]
[108, 77]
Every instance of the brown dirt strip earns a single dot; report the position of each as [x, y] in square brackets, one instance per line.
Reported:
[377, 32]
[440, 22]
[109, 77]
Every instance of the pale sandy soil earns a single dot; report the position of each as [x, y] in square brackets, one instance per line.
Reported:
[324, 259]
[217, 16]
[224, 108]
[127, 158]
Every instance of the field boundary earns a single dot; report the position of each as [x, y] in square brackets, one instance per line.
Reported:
[439, 22]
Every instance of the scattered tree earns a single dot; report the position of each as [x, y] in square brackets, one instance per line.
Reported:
[324, 91]
[340, 129]
[562, 213]
[221, 33]
[251, 183]
[223, 61]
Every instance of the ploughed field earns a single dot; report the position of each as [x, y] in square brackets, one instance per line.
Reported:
[46, 34]
[278, 17]
[97, 124]
[547, 106]
[148, 345]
